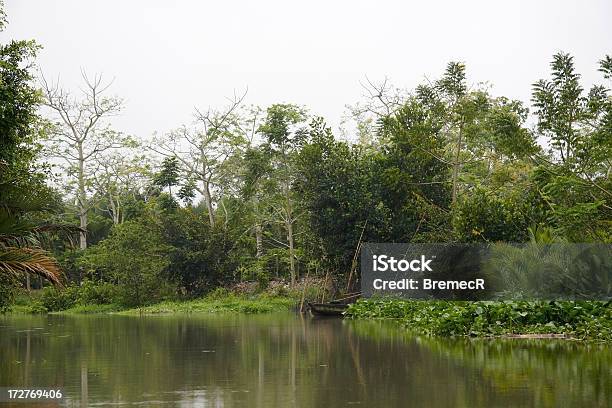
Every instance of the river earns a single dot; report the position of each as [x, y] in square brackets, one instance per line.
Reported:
[285, 360]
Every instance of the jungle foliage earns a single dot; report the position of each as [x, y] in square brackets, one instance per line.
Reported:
[273, 194]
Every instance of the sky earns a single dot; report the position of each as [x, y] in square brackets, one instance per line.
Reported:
[169, 57]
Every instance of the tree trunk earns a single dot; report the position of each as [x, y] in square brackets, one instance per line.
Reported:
[83, 233]
[456, 164]
[259, 240]
[225, 214]
[289, 225]
[291, 252]
[208, 200]
[114, 209]
[81, 199]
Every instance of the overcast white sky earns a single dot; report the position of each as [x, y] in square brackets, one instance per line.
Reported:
[168, 57]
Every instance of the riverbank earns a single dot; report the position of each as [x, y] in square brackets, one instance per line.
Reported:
[231, 303]
[582, 320]
[216, 302]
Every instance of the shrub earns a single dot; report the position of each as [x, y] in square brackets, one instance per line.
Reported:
[37, 307]
[257, 271]
[492, 216]
[219, 293]
[97, 293]
[54, 299]
[134, 256]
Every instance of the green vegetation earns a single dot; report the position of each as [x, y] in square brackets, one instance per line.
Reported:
[88, 294]
[252, 194]
[96, 298]
[221, 304]
[26, 202]
[581, 320]
[93, 309]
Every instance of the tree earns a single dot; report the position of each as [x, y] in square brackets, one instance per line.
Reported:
[201, 257]
[381, 99]
[453, 89]
[23, 193]
[80, 135]
[134, 256]
[561, 107]
[168, 175]
[258, 186]
[202, 151]
[335, 184]
[118, 180]
[575, 178]
[283, 137]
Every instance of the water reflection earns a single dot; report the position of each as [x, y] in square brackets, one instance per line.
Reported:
[286, 360]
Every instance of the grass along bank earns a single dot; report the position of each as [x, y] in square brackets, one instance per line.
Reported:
[220, 300]
[586, 320]
[232, 303]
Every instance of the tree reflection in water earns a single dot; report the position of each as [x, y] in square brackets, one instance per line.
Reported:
[287, 360]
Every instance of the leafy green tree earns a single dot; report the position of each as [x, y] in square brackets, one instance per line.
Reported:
[168, 175]
[258, 186]
[201, 257]
[494, 215]
[413, 176]
[575, 179]
[283, 134]
[561, 106]
[187, 192]
[459, 108]
[24, 197]
[335, 186]
[134, 257]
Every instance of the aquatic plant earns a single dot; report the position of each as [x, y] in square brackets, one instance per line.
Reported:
[576, 319]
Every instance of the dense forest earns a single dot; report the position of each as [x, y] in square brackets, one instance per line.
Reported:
[248, 193]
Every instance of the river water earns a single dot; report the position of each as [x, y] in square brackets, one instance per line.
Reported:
[284, 360]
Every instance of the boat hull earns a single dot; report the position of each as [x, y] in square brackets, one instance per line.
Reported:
[327, 309]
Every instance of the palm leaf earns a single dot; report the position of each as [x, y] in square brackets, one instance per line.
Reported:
[19, 261]
[19, 232]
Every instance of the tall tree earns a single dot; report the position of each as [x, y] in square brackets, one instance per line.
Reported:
[24, 195]
[452, 87]
[81, 133]
[203, 151]
[119, 179]
[575, 179]
[284, 136]
[561, 106]
[258, 187]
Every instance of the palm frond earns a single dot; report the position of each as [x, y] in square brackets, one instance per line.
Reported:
[19, 261]
[20, 232]
[57, 228]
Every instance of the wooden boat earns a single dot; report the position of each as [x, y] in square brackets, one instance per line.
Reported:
[335, 307]
[327, 309]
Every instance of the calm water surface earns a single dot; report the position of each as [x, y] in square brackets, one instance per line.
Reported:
[289, 361]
